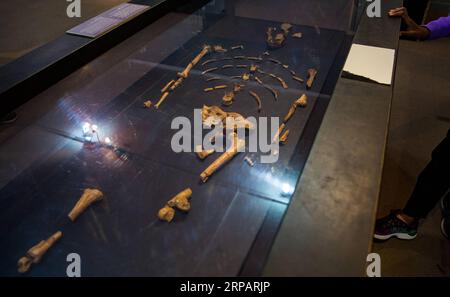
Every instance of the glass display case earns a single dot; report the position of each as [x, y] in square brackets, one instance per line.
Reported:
[47, 161]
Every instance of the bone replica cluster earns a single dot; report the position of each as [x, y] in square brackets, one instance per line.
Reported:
[280, 136]
[179, 201]
[35, 254]
[89, 196]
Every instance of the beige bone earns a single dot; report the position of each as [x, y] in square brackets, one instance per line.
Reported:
[89, 196]
[35, 254]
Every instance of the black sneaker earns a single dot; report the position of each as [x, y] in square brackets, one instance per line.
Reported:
[445, 205]
[445, 227]
[391, 226]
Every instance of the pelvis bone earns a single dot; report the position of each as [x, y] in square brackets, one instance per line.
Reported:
[213, 115]
[89, 196]
[35, 254]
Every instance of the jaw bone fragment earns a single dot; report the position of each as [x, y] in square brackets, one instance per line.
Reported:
[35, 254]
[89, 196]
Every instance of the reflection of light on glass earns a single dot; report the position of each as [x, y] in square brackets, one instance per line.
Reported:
[86, 127]
[108, 140]
[94, 128]
[287, 189]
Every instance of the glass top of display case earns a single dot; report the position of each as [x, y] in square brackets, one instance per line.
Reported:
[47, 161]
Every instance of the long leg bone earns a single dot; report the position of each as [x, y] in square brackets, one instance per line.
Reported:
[235, 148]
[203, 154]
[300, 102]
[312, 73]
[89, 196]
[35, 254]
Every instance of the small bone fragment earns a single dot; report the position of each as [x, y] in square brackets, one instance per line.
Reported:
[273, 91]
[227, 66]
[249, 161]
[293, 72]
[239, 57]
[285, 66]
[286, 27]
[215, 88]
[235, 148]
[253, 68]
[161, 100]
[257, 98]
[227, 99]
[237, 47]
[167, 86]
[212, 115]
[35, 254]
[298, 79]
[202, 154]
[209, 61]
[237, 88]
[89, 196]
[300, 102]
[266, 53]
[284, 137]
[213, 78]
[254, 58]
[297, 35]
[275, 61]
[148, 104]
[246, 76]
[258, 80]
[166, 213]
[219, 49]
[312, 73]
[210, 70]
[181, 200]
[282, 82]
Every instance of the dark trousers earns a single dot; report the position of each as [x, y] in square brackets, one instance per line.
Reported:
[432, 183]
[416, 9]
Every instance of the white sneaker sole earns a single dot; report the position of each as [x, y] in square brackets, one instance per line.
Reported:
[398, 235]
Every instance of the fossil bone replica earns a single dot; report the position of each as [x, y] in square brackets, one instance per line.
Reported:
[89, 196]
[282, 82]
[213, 78]
[35, 254]
[237, 47]
[167, 86]
[274, 42]
[246, 76]
[166, 213]
[241, 66]
[284, 137]
[253, 68]
[171, 86]
[273, 91]
[203, 154]
[215, 88]
[312, 73]
[300, 102]
[275, 61]
[236, 146]
[209, 61]
[239, 57]
[219, 49]
[213, 115]
[148, 104]
[227, 66]
[249, 161]
[286, 27]
[297, 35]
[258, 59]
[294, 77]
[227, 99]
[258, 100]
[181, 200]
[210, 70]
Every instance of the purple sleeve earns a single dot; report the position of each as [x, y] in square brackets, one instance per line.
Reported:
[439, 28]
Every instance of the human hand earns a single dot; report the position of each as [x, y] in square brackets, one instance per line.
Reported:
[412, 29]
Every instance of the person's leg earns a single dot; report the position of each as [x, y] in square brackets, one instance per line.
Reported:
[432, 183]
